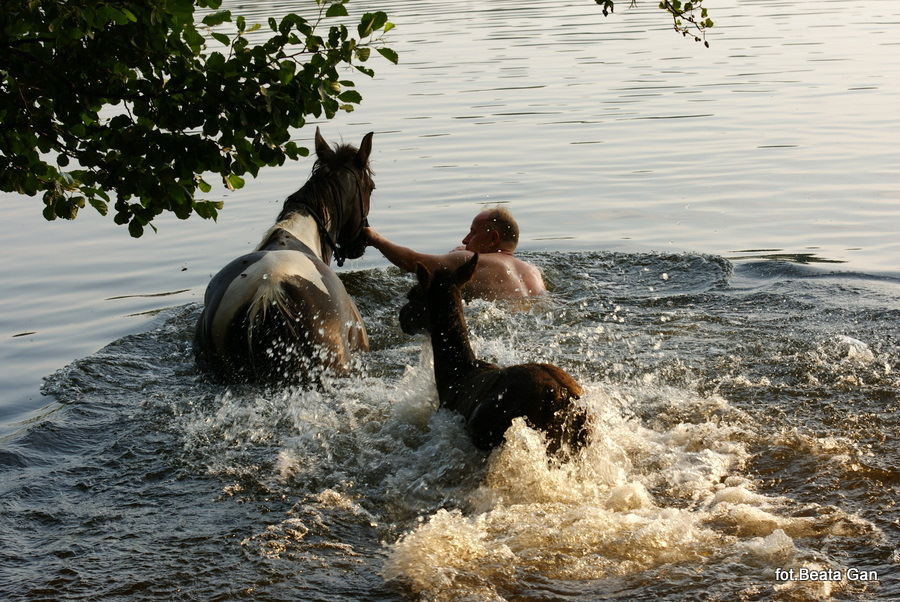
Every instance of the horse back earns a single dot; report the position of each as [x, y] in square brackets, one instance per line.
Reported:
[567, 385]
[541, 393]
[273, 313]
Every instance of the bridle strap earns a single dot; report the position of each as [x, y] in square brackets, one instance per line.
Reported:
[336, 251]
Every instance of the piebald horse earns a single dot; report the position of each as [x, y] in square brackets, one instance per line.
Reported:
[280, 313]
[488, 396]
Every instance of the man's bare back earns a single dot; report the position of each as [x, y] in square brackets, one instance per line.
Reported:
[502, 276]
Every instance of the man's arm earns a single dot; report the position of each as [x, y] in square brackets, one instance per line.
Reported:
[406, 258]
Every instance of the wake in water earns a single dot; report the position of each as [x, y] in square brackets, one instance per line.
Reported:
[740, 433]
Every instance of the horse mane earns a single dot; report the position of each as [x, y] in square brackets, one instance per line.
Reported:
[321, 186]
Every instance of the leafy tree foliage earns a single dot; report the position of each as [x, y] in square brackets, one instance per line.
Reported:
[134, 104]
[690, 19]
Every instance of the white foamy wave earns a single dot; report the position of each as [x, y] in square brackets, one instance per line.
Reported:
[643, 495]
[633, 499]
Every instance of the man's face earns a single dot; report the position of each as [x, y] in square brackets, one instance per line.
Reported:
[480, 238]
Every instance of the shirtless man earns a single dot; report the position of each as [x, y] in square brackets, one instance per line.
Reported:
[494, 235]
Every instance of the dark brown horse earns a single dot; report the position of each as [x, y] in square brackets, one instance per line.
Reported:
[488, 396]
[281, 313]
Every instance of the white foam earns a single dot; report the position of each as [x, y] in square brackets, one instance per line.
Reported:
[592, 518]
[662, 483]
[777, 549]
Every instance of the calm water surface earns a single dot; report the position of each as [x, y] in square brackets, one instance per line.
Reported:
[719, 230]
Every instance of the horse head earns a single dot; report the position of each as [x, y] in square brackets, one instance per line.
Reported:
[353, 166]
[435, 291]
[337, 195]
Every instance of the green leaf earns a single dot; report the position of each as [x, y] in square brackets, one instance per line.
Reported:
[101, 207]
[351, 96]
[286, 71]
[135, 228]
[370, 23]
[208, 209]
[193, 38]
[234, 182]
[388, 54]
[336, 10]
[217, 18]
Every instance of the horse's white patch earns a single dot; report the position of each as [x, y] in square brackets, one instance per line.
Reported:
[260, 285]
[303, 227]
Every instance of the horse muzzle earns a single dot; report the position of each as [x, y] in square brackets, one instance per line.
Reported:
[355, 248]
[413, 319]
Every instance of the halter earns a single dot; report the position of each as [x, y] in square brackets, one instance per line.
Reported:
[323, 232]
[336, 250]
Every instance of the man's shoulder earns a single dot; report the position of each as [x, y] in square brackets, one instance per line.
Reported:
[506, 260]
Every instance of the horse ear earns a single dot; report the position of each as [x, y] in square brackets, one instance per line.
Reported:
[365, 149]
[323, 150]
[423, 275]
[465, 272]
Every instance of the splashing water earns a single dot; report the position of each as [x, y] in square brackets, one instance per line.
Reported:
[738, 432]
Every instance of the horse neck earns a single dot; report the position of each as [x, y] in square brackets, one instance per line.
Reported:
[453, 355]
[332, 195]
[302, 227]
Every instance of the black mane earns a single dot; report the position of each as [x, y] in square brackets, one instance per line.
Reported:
[333, 190]
[322, 188]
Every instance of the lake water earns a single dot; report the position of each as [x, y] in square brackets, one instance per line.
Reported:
[719, 231]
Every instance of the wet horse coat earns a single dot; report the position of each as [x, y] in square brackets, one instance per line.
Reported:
[489, 397]
[280, 312]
